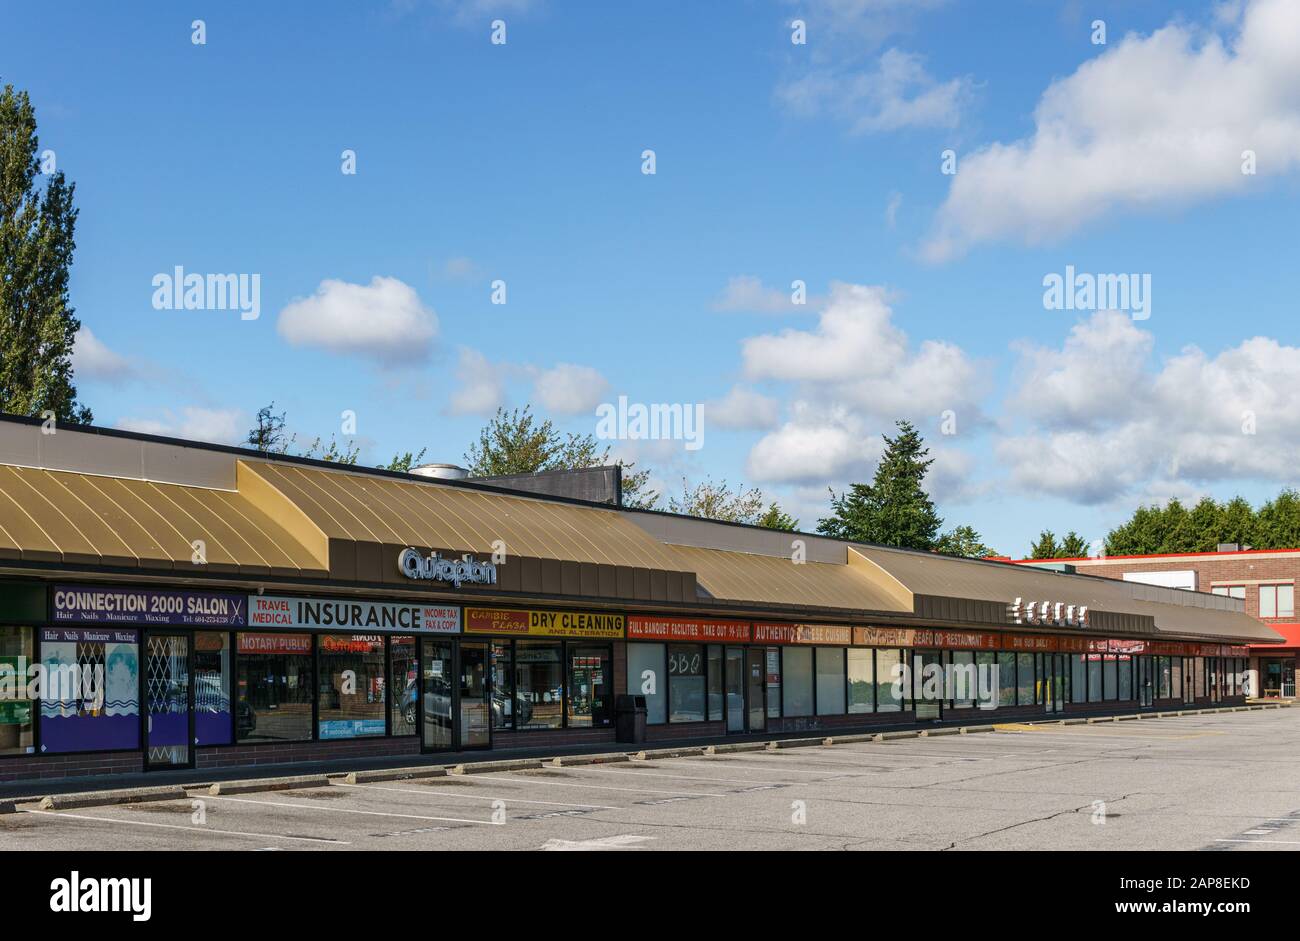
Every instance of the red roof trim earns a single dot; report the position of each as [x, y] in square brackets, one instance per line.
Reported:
[1155, 555]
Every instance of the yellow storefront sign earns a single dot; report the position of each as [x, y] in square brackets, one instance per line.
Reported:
[540, 623]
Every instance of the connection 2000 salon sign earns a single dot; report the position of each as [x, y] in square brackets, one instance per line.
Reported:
[342, 614]
[103, 604]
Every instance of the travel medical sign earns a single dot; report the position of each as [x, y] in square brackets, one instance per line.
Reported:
[106, 604]
[279, 611]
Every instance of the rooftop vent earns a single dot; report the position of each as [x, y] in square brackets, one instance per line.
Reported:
[1231, 547]
[441, 471]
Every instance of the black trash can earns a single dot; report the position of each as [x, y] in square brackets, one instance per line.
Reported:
[629, 719]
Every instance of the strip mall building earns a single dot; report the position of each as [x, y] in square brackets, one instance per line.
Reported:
[187, 605]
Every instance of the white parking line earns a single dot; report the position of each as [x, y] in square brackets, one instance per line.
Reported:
[1283, 842]
[731, 764]
[348, 810]
[604, 787]
[177, 826]
[684, 777]
[478, 797]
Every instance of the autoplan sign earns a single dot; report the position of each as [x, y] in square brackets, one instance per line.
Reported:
[434, 567]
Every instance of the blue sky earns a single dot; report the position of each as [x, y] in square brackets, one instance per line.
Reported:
[820, 162]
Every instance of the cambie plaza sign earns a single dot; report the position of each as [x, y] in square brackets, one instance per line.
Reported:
[466, 569]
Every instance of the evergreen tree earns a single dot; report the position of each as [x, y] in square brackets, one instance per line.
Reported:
[776, 518]
[963, 541]
[1045, 547]
[38, 326]
[1072, 547]
[1278, 522]
[894, 510]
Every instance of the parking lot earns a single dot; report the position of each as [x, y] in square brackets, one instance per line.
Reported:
[1228, 782]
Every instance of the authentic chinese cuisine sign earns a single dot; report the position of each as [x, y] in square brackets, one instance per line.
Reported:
[544, 623]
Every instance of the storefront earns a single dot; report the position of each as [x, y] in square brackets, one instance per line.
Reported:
[272, 611]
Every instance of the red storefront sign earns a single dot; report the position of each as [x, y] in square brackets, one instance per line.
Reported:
[274, 643]
[925, 637]
[687, 629]
[834, 634]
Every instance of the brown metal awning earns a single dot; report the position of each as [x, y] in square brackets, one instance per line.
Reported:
[82, 519]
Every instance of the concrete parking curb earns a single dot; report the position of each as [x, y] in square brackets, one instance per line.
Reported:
[927, 733]
[253, 785]
[649, 753]
[891, 736]
[134, 795]
[7, 807]
[847, 739]
[394, 774]
[972, 729]
[565, 761]
[737, 747]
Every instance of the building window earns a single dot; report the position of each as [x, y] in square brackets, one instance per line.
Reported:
[1163, 670]
[539, 685]
[889, 696]
[1006, 678]
[1079, 678]
[797, 683]
[404, 668]
[685, 683]
[273, 678]
[589, 686]
[91, 697]
[1229, 591]
[1176, 678]
[212, 718]
[965, 681]
[503, 685]
[1126, 677]
[862, 681]
[774, 682]
[1110, 677]
[716, 677]
[16, 710]
[1025, 679]
[646, 677]
[1094, 677]
[1276, 601]
[352, 701]
[986, 668]
[830, 681]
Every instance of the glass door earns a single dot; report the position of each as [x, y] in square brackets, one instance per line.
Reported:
[927, 677]
[1189, 686]
[475, 703]
[734, 670]
[167, 701]
[435, 695]
[756, 688]
[1145, 681]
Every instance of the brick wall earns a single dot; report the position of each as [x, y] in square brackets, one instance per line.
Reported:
[230, 756]
[45, 767]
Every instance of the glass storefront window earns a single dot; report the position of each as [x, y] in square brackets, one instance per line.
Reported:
[1126, 677]
[862, 680]
[1094, 677]
[503, 687]
[1176, 678]
[715, 683]
[830, 681]
[16, 655]
[539, 685]
[773, 682]
[685, 683]
[274, 687]
[889, 696]
[1079, 678]
[797, 681]
[352, 701]
[91, 698]
[1110, 676]
[1025, 679]
[1006, 678]
[1163, 670]
[590, 689]
[647, 677]
[965, 682]
[402, 684]
[212, 725]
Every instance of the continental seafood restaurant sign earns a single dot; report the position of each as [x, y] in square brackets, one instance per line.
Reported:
[276, 611]
[103, 604]
[543, 623]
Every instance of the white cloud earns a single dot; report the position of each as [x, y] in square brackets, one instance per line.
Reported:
[854, 375]
[746, 293]
[384, 321]
[469, 12]
[1152, 121]
[891, 210]
[482, 385]
[215, 425]
[460, 268]
[897, 92]
[1154, 425]
[566, 389]
[743, 407]
[856, 24]
[91, 359]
